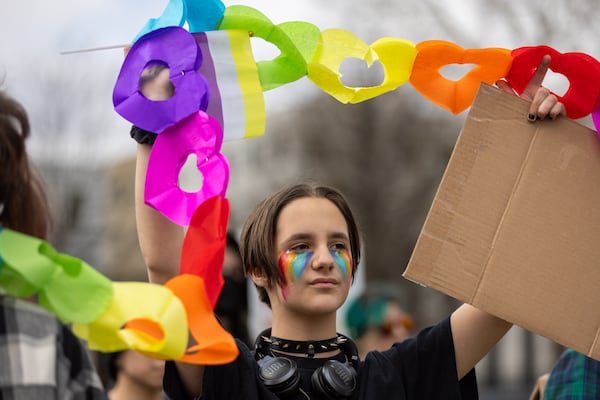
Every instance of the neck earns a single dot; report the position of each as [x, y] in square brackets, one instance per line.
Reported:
[126, 389]
[303, 327]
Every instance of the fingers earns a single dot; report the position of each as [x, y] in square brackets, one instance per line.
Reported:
[545, 104]
[538, 77]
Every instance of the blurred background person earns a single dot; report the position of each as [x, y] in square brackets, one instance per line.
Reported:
[377, 319]
[40, 358]
[232, 306]
[131, 375]
[574, 377]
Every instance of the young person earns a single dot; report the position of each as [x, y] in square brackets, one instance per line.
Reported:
[301, 247]
[40, 358]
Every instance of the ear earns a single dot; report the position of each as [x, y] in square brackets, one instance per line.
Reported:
[259, 280]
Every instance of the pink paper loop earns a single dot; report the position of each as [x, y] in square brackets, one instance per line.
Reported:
[197, 134]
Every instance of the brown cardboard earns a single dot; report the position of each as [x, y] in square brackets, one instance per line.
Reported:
[514, 228]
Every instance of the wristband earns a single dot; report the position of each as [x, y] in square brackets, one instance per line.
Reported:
[142, 136]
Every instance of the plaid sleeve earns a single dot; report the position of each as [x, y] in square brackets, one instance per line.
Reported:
[574, 377]
[40, 358]
[76, 374]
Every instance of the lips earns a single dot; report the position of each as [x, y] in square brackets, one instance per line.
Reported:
[323, 282]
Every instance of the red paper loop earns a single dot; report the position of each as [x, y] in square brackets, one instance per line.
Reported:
[582, 71]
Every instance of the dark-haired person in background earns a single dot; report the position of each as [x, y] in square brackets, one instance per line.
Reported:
[40, 358]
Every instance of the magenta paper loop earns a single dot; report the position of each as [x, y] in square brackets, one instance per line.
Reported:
[596, 119]
[177, 49]
[197, 134]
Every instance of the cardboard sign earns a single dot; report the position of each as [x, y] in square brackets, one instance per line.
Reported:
[514, 228]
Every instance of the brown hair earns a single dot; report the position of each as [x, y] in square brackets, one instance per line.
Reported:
[257, 243]
[23, 202]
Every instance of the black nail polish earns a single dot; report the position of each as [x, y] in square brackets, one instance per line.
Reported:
[531, 117]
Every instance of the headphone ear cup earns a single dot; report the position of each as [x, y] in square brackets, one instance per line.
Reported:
[279, 374]
[334, 379]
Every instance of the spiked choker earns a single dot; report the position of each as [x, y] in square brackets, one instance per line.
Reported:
[310, 347]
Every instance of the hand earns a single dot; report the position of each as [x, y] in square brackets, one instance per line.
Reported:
[543, 103]
[155, 83]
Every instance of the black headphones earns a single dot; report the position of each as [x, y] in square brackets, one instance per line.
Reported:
[333, 380]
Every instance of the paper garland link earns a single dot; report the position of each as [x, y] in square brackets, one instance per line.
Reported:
[199, 16]
[197, 134]
[115, 316]
[395, 55]
[582, 96]
[177, 50]
[67, 286]
[456, 96]
[227, 69]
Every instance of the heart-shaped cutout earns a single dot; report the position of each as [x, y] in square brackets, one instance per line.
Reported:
[582, 71]
[296, 41]
[491, 64]
[163, 335]
[395, 55]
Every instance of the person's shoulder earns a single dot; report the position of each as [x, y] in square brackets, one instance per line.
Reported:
[12, 304]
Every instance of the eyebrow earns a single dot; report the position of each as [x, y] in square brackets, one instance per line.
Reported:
[309, 236]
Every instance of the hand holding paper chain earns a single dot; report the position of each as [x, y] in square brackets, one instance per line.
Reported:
[582, 71]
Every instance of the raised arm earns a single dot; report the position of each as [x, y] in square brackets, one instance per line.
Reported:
[160, 239]
[474, 332]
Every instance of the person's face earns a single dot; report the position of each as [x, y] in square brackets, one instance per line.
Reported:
[396, 327]
[313, 252]
[143, 370]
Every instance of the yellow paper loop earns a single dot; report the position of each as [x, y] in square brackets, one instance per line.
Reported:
[139, 300]
[395, 55]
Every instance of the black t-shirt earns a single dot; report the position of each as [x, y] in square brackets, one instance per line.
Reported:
[420, 368]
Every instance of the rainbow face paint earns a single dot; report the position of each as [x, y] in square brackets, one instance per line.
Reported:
[292, 263]
[342, 260]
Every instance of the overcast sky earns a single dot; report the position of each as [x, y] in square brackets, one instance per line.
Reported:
[33, 33]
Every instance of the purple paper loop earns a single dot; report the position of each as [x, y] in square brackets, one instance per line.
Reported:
[177, 49]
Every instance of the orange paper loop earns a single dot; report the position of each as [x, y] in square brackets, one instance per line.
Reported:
[455, 96]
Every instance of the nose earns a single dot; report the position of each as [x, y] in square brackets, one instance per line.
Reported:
[322, 259]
